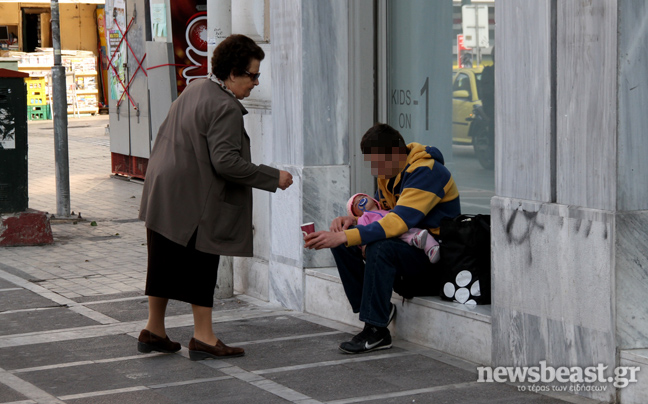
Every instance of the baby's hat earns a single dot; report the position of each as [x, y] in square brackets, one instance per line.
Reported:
[350, 203]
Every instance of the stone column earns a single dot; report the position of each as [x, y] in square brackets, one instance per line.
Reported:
[570, 273]
[310, 135]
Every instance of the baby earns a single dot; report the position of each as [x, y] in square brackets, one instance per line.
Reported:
[367, 210]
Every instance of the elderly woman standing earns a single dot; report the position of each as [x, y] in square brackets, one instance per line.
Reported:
[197, 197]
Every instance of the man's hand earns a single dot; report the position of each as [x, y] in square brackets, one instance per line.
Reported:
[285, 180]
[342, 223]
[324, 239]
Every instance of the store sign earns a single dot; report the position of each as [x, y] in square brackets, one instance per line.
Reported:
[189, 28]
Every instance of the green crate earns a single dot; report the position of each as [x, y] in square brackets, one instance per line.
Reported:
[36, 113]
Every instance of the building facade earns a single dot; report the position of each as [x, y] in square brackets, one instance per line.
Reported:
[567, 195]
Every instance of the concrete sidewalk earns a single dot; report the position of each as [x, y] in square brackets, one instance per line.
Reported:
[70, 314]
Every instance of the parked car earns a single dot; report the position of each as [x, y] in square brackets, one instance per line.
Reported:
[465, 96]
[472, 123]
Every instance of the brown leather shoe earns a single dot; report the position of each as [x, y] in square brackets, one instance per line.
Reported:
[148, 342]
[198, 350]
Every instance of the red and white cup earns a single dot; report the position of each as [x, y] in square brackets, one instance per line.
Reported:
[307, 228]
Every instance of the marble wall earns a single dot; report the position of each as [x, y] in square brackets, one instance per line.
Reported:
[310, 81]
[553, 285]
[286, 56]
[586, 104]
[632, 98]
[325, 193]
[632, 280]
[310, 137]
[325, 86]
[570, 272]
[523, 75]
[635, 393]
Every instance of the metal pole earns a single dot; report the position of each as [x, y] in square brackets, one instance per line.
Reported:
[477, 35]
[219, 27]
[59, 114]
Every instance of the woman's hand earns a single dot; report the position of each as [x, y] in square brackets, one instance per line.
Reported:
[285, 180]
[324, 239]
[342, 223]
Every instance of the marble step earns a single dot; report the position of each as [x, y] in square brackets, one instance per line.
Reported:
[635, 393]
[449, 327]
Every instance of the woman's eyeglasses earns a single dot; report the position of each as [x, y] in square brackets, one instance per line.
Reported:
[253, 76]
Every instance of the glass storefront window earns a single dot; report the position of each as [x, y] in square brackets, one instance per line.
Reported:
[440, 89]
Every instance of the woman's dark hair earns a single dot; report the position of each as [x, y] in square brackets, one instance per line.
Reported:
[381, 139]
[234, 55]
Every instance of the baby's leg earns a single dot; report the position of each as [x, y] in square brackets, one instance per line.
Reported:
[432, 249]
[409, 237]
[415, 237]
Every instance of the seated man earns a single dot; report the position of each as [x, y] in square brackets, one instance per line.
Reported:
[419, 191]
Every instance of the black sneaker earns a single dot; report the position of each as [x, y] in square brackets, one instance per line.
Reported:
[370, 339]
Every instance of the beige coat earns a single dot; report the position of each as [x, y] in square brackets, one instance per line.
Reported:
[200, 176]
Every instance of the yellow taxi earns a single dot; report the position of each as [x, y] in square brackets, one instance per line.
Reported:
[465, 82]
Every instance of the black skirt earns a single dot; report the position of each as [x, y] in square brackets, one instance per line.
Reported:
[178, 272]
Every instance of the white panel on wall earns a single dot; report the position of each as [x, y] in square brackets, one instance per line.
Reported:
[249, 18]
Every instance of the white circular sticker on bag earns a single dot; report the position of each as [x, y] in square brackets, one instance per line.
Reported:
[462, 295]
[449, 290]
[475, 290]
[463, 278]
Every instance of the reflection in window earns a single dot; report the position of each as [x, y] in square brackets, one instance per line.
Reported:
[441, 89]
[473, 112]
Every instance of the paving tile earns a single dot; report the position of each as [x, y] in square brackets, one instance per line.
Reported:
[42, 320]
[147, 371]
[371, 377]
[303, 351]
[230, 391]
[132, 310]
[225, 391]
[60, 352]
[121, 295]
[256, 329]
[146, 396]
[21, 299]
[8, 395]
[480, 394]
[5, 285]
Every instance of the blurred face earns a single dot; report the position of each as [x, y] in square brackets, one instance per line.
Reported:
[386, 166]
[368, 205]
[242, 85]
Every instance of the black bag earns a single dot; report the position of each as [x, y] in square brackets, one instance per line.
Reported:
[465, 259]
[426, 284]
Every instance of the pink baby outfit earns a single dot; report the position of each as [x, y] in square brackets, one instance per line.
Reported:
[415, 237]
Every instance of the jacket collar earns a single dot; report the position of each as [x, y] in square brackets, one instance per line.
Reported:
[222, 86]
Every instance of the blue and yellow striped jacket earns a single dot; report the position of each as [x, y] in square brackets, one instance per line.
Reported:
[420, 196]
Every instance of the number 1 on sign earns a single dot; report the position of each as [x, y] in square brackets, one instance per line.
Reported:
[424, 89]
